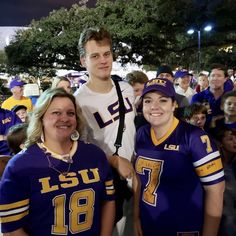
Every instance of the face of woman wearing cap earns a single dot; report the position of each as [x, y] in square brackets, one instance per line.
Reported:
[158, 109]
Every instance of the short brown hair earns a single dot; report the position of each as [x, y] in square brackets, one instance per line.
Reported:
[136, 77]
[97, 34]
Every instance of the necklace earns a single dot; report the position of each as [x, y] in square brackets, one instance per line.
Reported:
[50, 165]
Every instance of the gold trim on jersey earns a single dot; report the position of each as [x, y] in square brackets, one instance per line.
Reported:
[110, 190]
[58, 156]
[167, 134]
[209, 168]
[14, 205]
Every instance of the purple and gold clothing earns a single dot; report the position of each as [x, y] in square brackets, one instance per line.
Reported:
[172, 171]
[42, 201]
[7, 119]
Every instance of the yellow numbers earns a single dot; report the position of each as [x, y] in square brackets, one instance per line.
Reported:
[154, 169]
[205, 139]
[81, 206]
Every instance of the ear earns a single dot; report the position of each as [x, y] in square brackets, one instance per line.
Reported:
[83, 61]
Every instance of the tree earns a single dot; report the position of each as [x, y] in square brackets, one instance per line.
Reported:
[152, 31]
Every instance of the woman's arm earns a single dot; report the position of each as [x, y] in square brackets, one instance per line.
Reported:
[213, 201]
[108, 218]
[137, 192]
[18, 232]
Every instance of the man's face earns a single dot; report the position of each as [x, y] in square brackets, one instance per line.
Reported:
[17, 91]
[166, 76]
[184, 82]
[217, 79]
[98, 59]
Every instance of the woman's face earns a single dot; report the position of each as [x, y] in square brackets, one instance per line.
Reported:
[65, 85]
[158, 109]
[59, 121]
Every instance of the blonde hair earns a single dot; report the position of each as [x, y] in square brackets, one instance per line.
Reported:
[57, 80]
[35, 128]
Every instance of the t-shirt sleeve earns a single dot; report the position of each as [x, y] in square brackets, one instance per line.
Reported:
[206, 158]
[14, 200]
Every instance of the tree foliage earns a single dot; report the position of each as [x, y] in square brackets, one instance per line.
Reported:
[153, 30]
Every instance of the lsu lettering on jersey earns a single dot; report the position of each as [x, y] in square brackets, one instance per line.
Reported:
[44, 202]
[101, 110]
[172, 171]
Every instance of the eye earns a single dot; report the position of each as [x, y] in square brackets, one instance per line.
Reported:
[57, 113]
[146, 101]
[107, 54]
[71, 113]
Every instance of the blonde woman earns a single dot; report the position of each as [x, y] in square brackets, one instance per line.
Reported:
[64, 186]
[62, 82]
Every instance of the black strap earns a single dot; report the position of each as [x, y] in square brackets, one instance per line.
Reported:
[118, 141]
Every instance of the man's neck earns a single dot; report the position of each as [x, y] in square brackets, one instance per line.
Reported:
[230, 119]
[217, 92]
[16, 96]
[100, 86]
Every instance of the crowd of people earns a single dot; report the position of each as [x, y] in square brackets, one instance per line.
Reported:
[120, 156]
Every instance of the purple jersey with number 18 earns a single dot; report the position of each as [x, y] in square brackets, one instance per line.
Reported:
[44, 202]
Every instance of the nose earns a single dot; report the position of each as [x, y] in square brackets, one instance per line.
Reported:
[64, 116]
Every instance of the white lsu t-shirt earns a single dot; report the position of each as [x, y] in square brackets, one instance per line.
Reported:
[101, 111]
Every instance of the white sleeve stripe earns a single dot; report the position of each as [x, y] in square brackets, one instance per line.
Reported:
[212, 177]
[206, 158]
[110, 187]
[11, 212]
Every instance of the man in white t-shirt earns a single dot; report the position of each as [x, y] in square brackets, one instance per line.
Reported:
[100, 106]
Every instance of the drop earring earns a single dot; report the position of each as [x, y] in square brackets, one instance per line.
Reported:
[42, 138]
[75, 135]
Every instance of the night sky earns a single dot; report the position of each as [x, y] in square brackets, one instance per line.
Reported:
[21, 12]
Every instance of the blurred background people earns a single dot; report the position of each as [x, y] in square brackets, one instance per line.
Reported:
[226, 139]
[21, 112]
[202, 83]
[17, 98]
[16, 137]
[7, 120]
[183, 79]
[195, 114]
[62, 82]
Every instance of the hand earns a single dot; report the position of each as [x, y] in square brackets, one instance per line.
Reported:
[123, 166]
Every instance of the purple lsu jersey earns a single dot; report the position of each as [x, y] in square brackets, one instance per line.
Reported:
[44, 202]
[172, 171]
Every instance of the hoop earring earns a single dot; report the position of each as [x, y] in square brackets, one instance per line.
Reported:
[75, 135]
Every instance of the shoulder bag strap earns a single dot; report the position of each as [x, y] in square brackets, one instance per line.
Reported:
[118, 141]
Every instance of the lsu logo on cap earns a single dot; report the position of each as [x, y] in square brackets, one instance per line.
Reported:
[156, 82]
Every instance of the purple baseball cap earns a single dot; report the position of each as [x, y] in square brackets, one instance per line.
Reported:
[163, 86]
[181, 73]
[16, 82]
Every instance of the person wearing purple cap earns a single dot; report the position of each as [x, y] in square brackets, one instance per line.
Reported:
[17, 98]
[165, 71]
[179, 183]
[183, 80]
